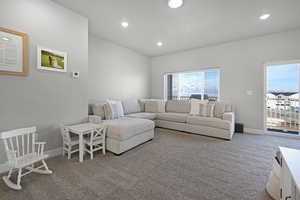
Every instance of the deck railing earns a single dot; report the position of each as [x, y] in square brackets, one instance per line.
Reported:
[210, 98]
[284, 115]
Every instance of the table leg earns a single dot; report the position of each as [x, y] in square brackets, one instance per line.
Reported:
[81, 148]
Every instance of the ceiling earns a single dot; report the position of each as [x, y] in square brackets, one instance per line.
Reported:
[198, 23]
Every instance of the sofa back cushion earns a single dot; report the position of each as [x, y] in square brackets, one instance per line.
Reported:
[131, 106]
[142, 103]
[155, 106]
[178, 106]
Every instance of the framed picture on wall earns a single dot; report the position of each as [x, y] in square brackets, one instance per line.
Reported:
[51, 60]
[13, 52]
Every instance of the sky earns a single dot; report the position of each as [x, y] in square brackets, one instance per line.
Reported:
[283, 78]
[212, 82]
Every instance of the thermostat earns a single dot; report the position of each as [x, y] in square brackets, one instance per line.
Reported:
[75, 74]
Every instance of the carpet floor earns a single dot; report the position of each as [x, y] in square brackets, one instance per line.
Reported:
[174, 165]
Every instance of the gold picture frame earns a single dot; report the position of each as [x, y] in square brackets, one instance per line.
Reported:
[21, 52]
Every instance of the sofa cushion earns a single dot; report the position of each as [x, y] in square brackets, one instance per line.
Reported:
[155, 106]
[209, 121]
[178, 106]
[124, 128]
[131, 106]
[142, 115]
[173, 117]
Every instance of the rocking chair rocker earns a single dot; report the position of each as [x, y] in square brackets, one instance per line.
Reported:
[22, 153]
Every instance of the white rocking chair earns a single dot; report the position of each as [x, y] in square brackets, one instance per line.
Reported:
[23, 152]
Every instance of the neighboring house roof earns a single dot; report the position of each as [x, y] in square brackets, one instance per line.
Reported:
[269, 95]
[283, 93]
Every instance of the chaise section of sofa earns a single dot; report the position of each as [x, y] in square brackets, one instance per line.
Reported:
[125, 133]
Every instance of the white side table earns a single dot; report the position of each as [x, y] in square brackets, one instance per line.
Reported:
[81, 130]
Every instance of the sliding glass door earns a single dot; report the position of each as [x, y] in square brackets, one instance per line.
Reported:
[198, 85]
[282, 98]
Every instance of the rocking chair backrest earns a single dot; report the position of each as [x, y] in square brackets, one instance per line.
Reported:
[19, 142]
[65, 134]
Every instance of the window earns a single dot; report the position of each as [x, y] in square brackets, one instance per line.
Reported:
[198, 85]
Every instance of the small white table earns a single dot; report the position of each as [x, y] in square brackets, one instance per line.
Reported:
[290, 173]
[81, 130]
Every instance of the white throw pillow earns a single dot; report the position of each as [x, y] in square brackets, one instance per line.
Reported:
[131, 106]
[116, 109]
[195, 106]
[98, 109]
[220, 108]
[108, 111]
[142, 105]
[207, 110]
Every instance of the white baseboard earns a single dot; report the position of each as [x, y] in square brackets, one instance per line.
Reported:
[54, 152]
[254, 131]
[3, 168]
[270, 133]
[50, 153]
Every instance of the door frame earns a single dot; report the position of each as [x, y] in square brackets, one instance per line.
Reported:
[265, 92]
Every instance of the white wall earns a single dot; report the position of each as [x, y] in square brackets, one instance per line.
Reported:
[116, 72]
[43, 98]
[241, 65]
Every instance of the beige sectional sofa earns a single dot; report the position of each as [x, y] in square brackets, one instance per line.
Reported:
[137, 125]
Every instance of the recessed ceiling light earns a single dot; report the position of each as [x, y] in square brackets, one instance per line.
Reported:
[175, 3]
[159, 44]
[125, 24]
[5, 38]
[264, 16]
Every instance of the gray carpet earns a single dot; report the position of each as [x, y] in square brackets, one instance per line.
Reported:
[174, 165]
